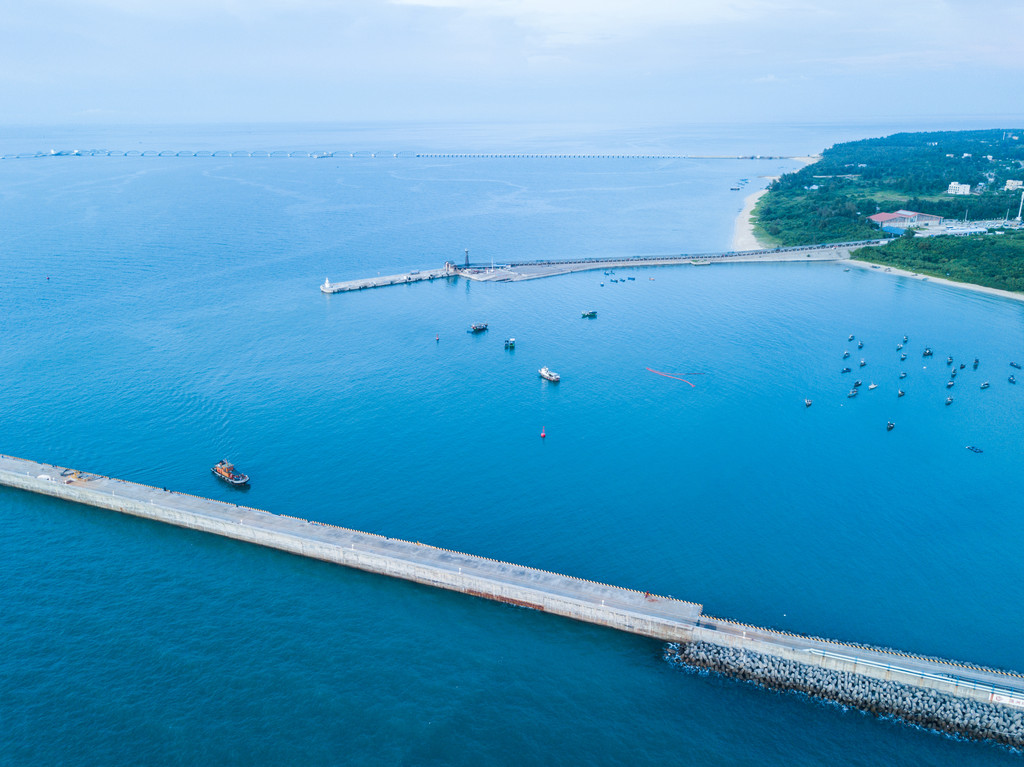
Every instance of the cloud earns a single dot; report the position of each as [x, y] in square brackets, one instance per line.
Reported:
[582, 22]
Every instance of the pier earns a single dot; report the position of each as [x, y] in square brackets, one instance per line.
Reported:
[894, 681]
[379, 282]
[516, 271]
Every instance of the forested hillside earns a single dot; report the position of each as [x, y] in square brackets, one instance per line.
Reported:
[995, 260]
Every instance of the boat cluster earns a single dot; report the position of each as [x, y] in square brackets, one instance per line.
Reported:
[950, 383]
[510, 343]
[609, 274]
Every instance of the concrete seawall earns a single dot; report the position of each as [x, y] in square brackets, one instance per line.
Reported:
[733, 645]
[531, 270]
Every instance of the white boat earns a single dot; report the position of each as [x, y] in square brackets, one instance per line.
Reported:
[549, 375]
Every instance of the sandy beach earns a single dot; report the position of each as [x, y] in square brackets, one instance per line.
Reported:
[743, 233]
[892, 270]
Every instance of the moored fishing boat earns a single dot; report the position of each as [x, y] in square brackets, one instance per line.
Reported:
[478, 327]
[549, 375]
[589, 315]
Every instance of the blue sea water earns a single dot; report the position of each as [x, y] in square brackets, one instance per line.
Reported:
[158, 314]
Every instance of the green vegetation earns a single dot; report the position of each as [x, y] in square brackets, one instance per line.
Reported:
[993, 260]
[830, 200]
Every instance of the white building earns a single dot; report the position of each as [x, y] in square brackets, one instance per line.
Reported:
[957, 188]
[1011, 184]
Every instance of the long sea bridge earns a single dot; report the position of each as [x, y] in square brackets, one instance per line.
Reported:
[346, 154]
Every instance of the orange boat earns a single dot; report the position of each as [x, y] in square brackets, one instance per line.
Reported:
[229, 474]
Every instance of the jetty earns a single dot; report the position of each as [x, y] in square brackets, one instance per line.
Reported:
[379, 282]
[962, 698]
[516, 271]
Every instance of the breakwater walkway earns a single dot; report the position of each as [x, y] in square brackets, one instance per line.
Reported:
[379, 282]
[993, 697]
[516, 271]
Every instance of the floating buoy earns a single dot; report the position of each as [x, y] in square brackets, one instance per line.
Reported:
[438, 338]
[542, 434]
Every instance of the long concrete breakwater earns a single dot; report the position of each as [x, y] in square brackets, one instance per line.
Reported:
[531, 270]
[929, 691]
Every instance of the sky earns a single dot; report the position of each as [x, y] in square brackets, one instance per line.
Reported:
[622, 62]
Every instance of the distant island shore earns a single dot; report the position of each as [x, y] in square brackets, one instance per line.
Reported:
[912, 188]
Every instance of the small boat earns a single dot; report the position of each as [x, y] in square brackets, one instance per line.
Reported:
[807, 403]
[889, 426]
[900, 393]
[1015, 365]
[846, 269]
[862, 362]
[872, 386]
[845, 370]
[860, 344]
[903, 375]
[857, 383]
[589, 315]
[851, 337]
[985, 385]
[905, 339]
[949, 360]
[903, 356]
[633, 279]
[949, 400]
[853, 393]
[227, 471]
[1011, 379]
[478, 327]
[974, 449]
[949, 384]
[927, 352]
[549, 375]
[975, 363]
[952, 373]
[510, 343]
[899, 346]
[846, 354]
[963, 365]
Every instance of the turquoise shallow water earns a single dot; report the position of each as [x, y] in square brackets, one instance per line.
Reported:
[181, 323]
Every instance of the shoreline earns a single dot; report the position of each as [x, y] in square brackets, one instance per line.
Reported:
[743, 237]
[897, 272]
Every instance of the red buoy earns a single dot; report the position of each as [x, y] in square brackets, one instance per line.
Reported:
[542, 434]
